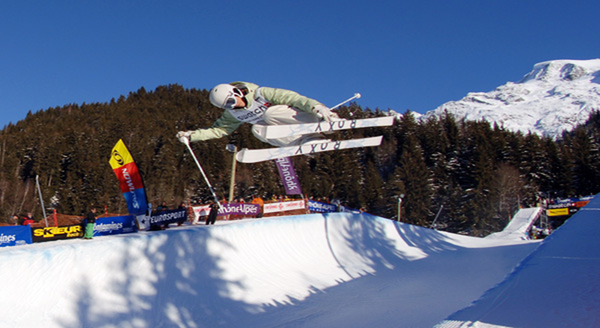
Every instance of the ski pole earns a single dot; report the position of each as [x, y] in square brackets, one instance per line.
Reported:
[356, 96]
[187, 143]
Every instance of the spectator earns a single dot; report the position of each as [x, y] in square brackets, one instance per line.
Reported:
[14, 219]
[28, 220]
[89, 225]
[212, 215]
[182, 207]
[260, 202]
[162, 207]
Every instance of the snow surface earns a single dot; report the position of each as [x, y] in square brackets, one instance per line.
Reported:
[558, 285]
[555, 96]
[318, 270]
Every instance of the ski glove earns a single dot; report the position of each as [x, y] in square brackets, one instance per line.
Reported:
[184, 136]
[325, 113]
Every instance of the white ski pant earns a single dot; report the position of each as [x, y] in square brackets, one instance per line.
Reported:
[282, 114]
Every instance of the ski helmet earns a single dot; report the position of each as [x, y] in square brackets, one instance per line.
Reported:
[223, 96]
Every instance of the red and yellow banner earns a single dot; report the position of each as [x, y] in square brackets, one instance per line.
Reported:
[129, 178]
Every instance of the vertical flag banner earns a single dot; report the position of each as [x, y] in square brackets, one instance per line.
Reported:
[288, 176]
[130, 179]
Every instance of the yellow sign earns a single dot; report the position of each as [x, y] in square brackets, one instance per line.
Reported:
[558, 212]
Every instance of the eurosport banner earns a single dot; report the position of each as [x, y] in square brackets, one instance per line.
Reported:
[321, 207]
[168, 217]
[115, 225]
[284, 206]
[129, 178]
[15, 235]
[56, 233]
[288, 176]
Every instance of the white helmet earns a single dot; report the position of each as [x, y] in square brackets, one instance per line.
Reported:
[223, 96]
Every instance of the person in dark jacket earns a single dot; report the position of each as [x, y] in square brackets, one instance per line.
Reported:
[89, 226]
[212, 215]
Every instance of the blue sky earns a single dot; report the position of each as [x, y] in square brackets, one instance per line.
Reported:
[398, 54]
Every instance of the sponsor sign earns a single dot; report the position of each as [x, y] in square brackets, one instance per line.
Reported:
[284, 206]
[130, 180]
[201, 210]
[288, 176]
[228, 209]
[561, 205]
[168, 217]
[557, 211]
[115, 225]
[321, 207]
[56, 233]
[15, 235]
[240, 209]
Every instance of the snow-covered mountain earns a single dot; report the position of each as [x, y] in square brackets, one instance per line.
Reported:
[555, 96]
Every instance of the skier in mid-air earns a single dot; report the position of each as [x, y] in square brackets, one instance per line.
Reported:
[246, 102]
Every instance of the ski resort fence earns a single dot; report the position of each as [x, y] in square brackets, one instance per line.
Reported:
[22, 235]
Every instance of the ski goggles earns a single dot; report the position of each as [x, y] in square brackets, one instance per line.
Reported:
[230, 101]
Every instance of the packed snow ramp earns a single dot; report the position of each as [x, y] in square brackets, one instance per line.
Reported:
[304, 271]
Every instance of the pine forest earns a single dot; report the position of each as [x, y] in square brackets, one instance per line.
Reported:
[475, 175]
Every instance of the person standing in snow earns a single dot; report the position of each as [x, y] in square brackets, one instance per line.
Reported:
[90, 222]
[212, 215]
[246, 102]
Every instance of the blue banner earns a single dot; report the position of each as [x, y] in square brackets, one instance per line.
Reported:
[15, 235]
[321, 207]
[115, 225]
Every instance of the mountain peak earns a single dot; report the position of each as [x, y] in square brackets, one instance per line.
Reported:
[563, 70]
[555, 96]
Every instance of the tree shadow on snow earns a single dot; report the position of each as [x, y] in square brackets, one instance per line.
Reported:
[165, 279]
[172, 278]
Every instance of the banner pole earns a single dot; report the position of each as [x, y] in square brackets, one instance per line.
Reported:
[37, 183]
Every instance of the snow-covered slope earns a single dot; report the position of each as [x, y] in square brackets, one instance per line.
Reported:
[558, 285]
[555, 96]
[331, 270]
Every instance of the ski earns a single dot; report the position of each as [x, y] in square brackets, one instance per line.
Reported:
[278, 131]
[260, 155]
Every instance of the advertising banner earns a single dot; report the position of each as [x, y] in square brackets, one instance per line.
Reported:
[283, 206]
[129, 178]
[115, 225]
[168, 217]
[558, 212]
[240, 209]
[319, 207]
[201, 210]
[288, 176]
[56, 233]
[15, 235]
[248, 209]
